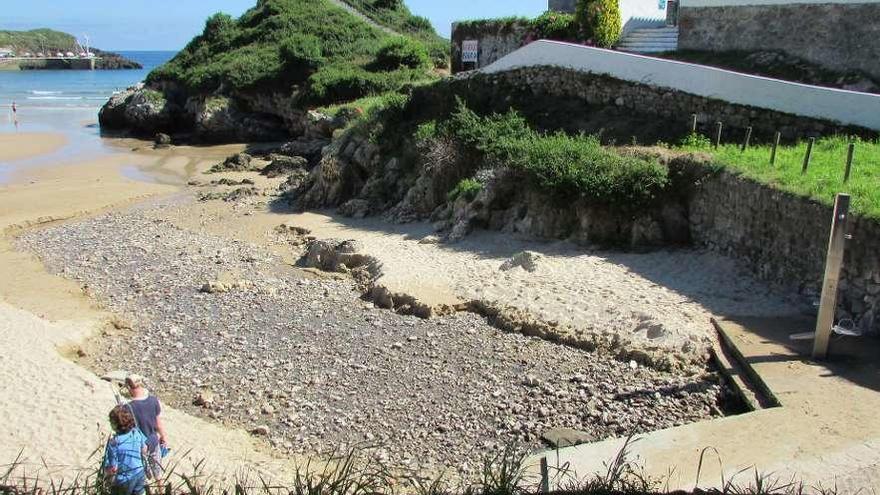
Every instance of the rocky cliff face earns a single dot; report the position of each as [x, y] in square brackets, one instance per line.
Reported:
[146, 111]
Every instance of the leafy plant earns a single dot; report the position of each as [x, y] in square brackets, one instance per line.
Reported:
[555, 26]
[401, 52]
[600, 21]
[467, 189]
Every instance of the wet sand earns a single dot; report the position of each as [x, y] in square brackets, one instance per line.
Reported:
[19, 146]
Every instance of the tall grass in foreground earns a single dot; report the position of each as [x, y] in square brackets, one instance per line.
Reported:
[824, 177]
[355, 472]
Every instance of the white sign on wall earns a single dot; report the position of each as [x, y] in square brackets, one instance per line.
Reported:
[470, 51]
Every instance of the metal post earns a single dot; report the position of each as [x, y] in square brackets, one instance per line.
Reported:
[849, 160]
[833, 264]
[545, 476]
[693, 123]
[809, 155]
[719, 127]
[748, 138]
[776, 140]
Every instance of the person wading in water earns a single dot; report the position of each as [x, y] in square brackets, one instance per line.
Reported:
[147, 411]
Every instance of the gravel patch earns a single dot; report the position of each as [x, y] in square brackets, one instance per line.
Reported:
[225, 330]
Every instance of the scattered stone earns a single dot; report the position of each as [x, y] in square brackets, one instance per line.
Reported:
[239, 162]
[260, 431]
[527, 260]
[566, 437]
[162, 140]
[204, 399]
[215, 287]
[284, 165]
[309, 362]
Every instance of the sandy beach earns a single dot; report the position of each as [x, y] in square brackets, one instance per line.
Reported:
[50, 401]
[29, 144]
[200, 280]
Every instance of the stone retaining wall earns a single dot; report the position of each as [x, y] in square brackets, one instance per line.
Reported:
[784, 239]
[839, 36]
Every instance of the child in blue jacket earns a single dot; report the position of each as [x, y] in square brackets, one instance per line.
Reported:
[124, 455]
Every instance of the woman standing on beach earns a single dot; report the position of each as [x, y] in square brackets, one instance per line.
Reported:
[147, 411]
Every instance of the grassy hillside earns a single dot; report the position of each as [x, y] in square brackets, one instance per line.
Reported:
[37, 40]
[315, 49]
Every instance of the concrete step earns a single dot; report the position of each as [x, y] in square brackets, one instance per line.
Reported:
[636, 46]
[651, 33]
[650, 40]
[647, 50]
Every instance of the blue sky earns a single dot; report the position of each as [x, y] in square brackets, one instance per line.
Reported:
[169, 24]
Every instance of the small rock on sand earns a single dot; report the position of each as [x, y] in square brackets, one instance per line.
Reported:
[527, 260]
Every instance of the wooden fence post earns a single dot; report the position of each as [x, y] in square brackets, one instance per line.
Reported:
[833, 264]
[809, 155]
[545, 476]
[693, 123]
[719, 127]
[849, 160]
[747, 139]
[776, 140]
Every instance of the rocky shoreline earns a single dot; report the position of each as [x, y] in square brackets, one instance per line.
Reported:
[226, 330]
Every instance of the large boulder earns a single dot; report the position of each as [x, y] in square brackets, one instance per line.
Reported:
[140, 109]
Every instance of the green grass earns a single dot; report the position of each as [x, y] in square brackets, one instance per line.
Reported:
[313, 49]
[824, 177]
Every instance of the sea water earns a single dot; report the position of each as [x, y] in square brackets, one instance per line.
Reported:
[58, 97]
[67, 102]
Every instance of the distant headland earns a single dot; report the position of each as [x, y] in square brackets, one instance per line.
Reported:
[46, 49]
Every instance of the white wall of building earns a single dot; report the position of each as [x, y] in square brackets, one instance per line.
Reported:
[642, 13]
[846, 107]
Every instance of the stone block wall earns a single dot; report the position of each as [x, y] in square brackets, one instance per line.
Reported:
[496, 38]
[784, 239]
[839, 36]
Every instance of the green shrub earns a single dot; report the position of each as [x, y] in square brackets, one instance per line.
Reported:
[555, 26]
[565, 166]
[302, 52]
[696, 140]
[467, 189]
[599, 21]
[346, 82]
[426, 131]
[402, 52]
